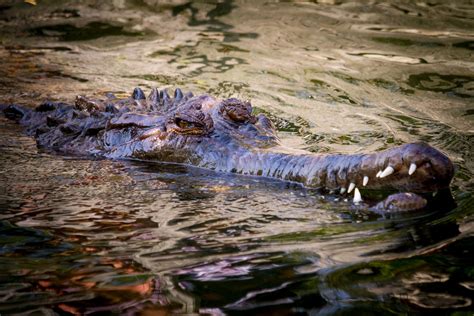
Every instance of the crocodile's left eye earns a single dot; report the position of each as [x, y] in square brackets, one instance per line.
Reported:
[183, 124]
[237, 111]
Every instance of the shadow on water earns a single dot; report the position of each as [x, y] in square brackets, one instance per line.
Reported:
[186, 57]
[467, 45]
[405, 42]
[212, 23]
[91, 31]
[416, 282]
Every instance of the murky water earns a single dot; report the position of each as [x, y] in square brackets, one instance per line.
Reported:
[83, 236]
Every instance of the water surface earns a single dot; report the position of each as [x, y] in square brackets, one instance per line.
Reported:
[82, 236]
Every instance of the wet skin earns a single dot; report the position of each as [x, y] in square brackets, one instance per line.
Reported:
[224, 135]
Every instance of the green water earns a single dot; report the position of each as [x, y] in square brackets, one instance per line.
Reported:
[81, 236]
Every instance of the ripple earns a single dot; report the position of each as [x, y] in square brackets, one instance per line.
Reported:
[457, 85]
[392, 58]
[438, 300]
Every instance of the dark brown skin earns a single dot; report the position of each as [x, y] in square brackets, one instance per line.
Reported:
[224, 135]
[400, 202]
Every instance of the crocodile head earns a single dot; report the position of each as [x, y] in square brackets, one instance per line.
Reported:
[199, 130]
[225, 135]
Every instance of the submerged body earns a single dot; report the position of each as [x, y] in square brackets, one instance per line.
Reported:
[224, 135]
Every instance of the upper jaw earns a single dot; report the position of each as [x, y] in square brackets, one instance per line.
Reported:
[415, 167]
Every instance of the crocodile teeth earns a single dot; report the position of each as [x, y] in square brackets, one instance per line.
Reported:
[412, 169]
[343, 190]
[365, 181]
[357, 196]
[351, 187]
[388, 171]
[378, 174]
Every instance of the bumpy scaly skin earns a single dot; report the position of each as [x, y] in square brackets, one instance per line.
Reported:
[400, 202]
[223, 135]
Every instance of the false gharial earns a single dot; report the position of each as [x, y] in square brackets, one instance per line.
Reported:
[224, 135]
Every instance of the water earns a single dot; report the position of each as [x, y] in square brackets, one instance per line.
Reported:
[83, 236]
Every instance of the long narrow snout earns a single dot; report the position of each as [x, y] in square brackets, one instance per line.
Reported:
[415, 167]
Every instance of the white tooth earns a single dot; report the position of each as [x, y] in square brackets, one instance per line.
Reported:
[412, 169]
[357, 196]
[365, 181]
[388, 171]
[378, 174]
[351, 187]
[343, 190]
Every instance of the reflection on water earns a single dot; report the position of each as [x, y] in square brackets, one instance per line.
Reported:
[460, 86]
[93, 236]
[93, 30]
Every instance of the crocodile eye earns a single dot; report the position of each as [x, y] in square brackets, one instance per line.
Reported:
[186, 124]
[198, 124]
[236, 110]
